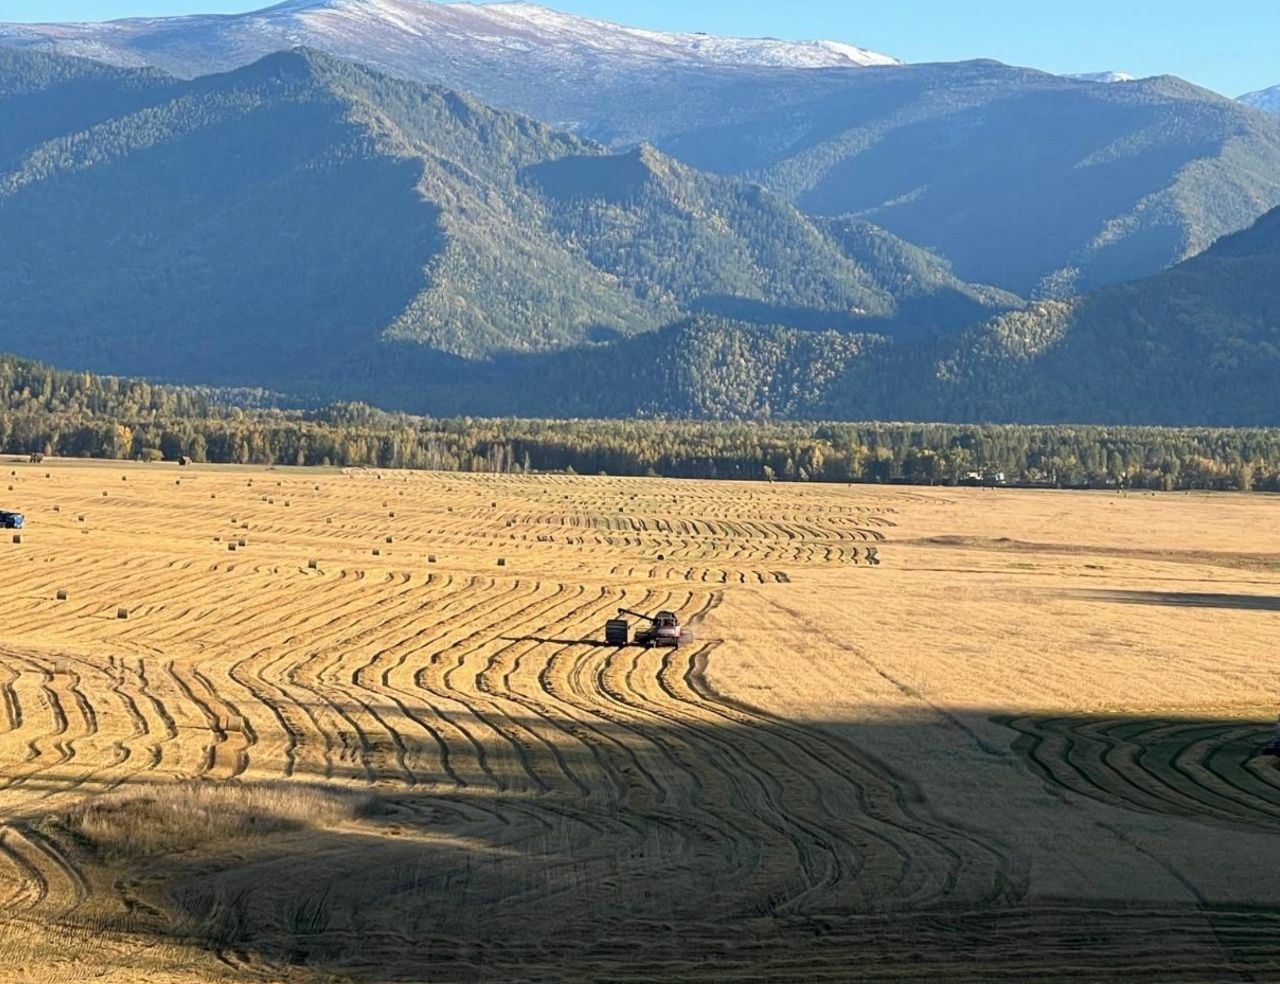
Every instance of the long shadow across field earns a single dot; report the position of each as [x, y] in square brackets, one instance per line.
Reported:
[1184, 599]
[736, 849]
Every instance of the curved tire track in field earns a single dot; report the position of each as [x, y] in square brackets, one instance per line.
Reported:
[467, 682]
[479, 702]
[1203, 770]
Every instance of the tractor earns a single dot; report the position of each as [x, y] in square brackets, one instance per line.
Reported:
[10, 520]
[664, 629]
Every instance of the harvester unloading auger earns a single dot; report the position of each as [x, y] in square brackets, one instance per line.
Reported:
[664, 629]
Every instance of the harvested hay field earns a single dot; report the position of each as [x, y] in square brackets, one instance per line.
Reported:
[923, 734]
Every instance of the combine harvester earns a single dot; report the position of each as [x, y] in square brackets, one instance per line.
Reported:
[664, 629]
[10, 520]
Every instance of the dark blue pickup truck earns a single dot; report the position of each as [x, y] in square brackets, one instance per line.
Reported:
[10, 520]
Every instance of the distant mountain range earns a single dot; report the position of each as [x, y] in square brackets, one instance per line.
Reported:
[1037, 184]
[725, 229]
[311, 226]
[1197, 344]
[288, 220]
[1267, 100]
[405, 36]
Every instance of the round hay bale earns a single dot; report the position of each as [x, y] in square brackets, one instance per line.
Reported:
[57, 509]
[377, 552]
[390, 539]
[231, 547]
[17, 538]
[79, 519]
[662, 556]
[313, 564]
[244, 542]
[502, 561]
[104, 493]
[431, 558]
[62, 594]
[122, 613]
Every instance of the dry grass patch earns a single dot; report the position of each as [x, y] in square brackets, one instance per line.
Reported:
[161, 821]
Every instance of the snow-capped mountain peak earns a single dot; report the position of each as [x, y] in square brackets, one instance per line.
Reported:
[1107, 78]
[411, 36]
[622, 40]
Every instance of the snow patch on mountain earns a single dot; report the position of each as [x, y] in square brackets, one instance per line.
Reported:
[1107, 78]
[1267, 100]
[709, 48]
[409, 35]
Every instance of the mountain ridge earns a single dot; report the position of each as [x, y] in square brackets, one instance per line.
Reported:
[310, 225]
[1267, 100]
[305, 212]
[1036, 183]
[1196, 345]
[391, 27]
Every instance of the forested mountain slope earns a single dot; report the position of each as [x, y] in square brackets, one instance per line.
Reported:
[1200, 342]
[1196, 345]
[1026, 180]
[310, 226]
[303, 219]
[1036, 183]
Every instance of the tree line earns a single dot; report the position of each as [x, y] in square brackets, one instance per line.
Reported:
[45, 411]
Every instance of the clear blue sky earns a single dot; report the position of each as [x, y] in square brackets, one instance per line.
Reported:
[1229, 45]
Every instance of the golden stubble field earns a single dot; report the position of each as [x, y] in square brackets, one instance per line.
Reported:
[961, 734]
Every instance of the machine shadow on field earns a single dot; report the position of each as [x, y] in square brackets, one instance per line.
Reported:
[1181, 599]
[660, 847]
[555, 640]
